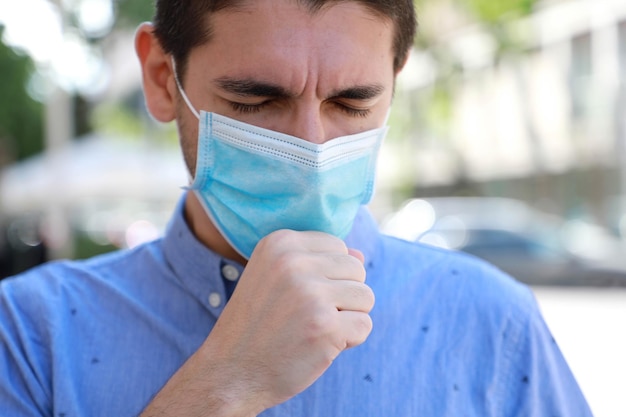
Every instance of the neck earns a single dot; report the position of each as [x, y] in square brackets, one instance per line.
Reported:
[206, 232]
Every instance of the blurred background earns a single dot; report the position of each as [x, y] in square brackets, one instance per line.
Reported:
[508, 141]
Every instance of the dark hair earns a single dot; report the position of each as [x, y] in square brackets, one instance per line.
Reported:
[181, 25]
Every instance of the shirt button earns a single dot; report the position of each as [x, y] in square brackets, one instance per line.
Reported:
[230, 272]
[215, 300]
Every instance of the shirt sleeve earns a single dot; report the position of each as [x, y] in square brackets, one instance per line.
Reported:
[22, 354]
[539, 382]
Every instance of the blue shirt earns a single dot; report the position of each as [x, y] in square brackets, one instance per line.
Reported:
[452, 336]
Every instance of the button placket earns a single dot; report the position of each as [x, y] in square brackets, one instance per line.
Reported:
[215, 299]
[230, 273]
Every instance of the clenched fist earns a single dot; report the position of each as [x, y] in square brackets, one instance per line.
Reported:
[300, 302]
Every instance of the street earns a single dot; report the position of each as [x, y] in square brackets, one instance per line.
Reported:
[589, 325]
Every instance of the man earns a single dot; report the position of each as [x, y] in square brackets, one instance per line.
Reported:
[255, 301]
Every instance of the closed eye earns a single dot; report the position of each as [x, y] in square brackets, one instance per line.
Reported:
[247, 108]
[351, 111]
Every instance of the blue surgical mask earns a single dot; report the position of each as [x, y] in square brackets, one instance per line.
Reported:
[253, 181]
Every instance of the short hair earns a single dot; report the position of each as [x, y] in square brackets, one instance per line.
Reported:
[181, 25]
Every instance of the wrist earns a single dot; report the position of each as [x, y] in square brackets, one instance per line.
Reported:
[201, 387]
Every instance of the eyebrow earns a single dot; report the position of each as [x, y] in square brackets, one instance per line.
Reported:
[247, 87]
[361, 92]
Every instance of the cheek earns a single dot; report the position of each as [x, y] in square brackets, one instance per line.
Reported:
[188, 137]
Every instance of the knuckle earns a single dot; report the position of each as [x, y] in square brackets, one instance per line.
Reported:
[360, 273]
[351, 266]
[320, 323]
[364, 295]
[332, 243]
[294, 265]
[322, 330]
[370, 298]
[361, 328]
[367, 324]
[280, 238]
[338, 244]
[352, 262]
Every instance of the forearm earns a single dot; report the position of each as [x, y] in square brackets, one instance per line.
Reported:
[200, 389]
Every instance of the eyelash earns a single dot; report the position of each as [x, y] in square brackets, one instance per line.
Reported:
[247, 108]
[255, 108]
[354, 112]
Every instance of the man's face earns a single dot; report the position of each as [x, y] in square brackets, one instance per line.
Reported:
[276, 66]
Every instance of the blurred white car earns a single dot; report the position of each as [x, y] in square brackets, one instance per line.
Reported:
[532, 246]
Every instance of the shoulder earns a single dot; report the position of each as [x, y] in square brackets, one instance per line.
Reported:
[37, 306]
[476, 314]
[56, 283]
[453, 276]
[439, 280]
[55, 316]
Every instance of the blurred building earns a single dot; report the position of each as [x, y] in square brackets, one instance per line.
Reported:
[93, 195]
[544, 122]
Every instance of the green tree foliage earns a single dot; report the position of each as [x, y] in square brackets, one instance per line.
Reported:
[494, 11]
[495, 17]
[21, 117]
[132, 12]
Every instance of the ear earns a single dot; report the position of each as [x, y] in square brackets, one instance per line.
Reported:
[159, 86]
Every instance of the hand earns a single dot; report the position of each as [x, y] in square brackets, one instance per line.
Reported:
[300, 302]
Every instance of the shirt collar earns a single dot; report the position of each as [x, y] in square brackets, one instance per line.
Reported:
[199, 269]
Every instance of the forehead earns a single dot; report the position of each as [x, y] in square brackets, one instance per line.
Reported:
[283, 39]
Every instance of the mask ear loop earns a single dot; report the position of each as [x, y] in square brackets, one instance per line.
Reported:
[182, 91]
[191, 108]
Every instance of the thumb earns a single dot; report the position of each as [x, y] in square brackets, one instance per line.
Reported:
[357, 254]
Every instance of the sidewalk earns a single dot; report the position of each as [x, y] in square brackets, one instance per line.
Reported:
[589, 325]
